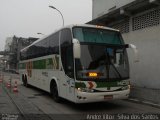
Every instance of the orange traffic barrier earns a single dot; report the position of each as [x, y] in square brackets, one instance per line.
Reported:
[15, 88]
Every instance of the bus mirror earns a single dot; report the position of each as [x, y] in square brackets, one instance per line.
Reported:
[134, 48]
[76, 48]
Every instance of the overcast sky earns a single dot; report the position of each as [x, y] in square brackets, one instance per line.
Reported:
[25, 18]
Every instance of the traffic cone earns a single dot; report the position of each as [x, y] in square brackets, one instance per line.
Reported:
[15, 89]
[8, 85]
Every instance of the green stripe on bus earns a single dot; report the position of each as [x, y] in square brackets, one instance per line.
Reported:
[80, 85]
[39, 64]
[99, 84]
[106, 84]
[49, 63]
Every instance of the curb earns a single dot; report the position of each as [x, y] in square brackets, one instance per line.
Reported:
[144, 102]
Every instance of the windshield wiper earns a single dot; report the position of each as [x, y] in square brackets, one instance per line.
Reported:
[113, 66]
[116, 70]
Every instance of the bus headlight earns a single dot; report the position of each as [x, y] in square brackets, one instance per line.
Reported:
[125, 87]
[85, 90]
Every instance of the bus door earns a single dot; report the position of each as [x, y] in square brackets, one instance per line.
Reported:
[70, 72]
[68, 67]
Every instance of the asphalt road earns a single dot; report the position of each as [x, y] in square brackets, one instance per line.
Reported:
[32, 101]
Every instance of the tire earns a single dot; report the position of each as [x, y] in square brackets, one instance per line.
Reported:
[54, 92]
[25, 83]
[23, 80]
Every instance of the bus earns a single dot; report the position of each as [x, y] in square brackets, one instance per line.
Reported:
[80, 63]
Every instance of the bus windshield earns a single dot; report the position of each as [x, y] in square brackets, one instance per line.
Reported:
[93, 35]
[102, 56]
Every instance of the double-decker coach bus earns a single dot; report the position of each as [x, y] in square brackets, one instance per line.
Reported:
[81, 63]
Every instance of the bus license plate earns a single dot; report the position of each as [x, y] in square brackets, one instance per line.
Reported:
[108, 97]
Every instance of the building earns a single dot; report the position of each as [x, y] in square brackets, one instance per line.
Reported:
[2, 65]
[12, 49]
[8, 43]
[139, 23]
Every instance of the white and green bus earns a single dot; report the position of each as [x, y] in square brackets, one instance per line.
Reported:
[81, 63]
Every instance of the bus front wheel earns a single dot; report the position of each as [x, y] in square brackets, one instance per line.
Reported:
[54, 93]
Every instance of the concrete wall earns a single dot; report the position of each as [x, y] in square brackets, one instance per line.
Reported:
[146, 73]
[101, 7]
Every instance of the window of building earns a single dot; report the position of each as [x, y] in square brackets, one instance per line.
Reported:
[123, 26]
[148, 19]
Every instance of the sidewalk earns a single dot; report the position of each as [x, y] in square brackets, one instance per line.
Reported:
[145, 96]
[6, 105]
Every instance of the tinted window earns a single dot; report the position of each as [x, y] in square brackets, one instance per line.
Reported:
[92, 35]
[67, 52]
[110, 63]
[47, 46]
[54, 43]
[39, 49]
[66, 38]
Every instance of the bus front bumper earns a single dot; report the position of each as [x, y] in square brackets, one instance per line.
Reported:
[86, 97]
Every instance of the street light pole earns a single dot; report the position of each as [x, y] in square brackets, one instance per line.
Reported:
[5, 65]
[59, 12]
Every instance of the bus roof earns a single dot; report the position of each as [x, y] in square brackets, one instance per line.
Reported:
[71, 26]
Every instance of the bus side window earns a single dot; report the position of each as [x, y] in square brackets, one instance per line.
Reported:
[53, 44]
[67, 52]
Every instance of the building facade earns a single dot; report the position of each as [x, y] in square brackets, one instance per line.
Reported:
[139, 23]
[8, 43]
[12, 49]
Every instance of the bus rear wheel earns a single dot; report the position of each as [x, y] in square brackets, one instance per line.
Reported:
[54, 93]
[23, 80]
[25, 83]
